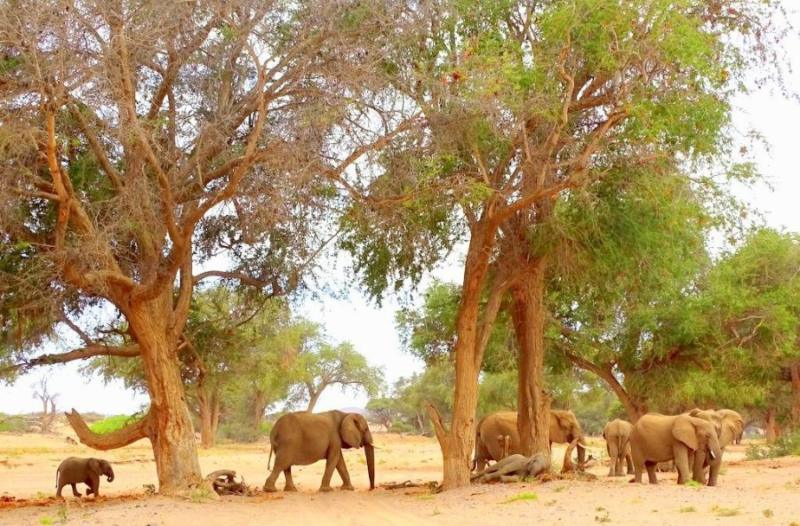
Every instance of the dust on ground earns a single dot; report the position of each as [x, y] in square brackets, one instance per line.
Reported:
[749, 492]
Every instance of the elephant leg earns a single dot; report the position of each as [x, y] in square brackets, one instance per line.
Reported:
[509, 478]
[289, 482]
[280, 466]
[651, 472]
[698, 467]
[94, 485]
[681, 457]
[330, 465]
[629, 462]
[341, 468]
[612, 465]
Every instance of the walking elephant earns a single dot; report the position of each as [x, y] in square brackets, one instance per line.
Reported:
[74, 470]
[496, 435]
[303, 438]
[660, 438]
[617, 435]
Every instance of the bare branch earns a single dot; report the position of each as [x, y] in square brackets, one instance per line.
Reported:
[113, 440]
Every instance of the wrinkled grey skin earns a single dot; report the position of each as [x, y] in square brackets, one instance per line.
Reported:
[87, 471]
[303, 438]
[513, 468]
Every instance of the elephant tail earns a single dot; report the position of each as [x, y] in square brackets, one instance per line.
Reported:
[271, 447]
[57, 472]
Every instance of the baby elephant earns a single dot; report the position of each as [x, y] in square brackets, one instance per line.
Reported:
[86, 470]
[513, 468]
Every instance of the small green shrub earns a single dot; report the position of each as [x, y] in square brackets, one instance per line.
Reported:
[768, 513]
[240, 432]
[785, 445]
[725, 512]
[12, 424]
[688, 509]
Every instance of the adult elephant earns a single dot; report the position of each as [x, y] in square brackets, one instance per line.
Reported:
[617, 435]
[660, 438]
[729, 425]
[496, 436]
[303, 438]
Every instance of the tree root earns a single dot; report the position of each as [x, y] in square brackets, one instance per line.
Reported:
[432, 485]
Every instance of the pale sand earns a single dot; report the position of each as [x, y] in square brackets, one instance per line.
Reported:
[749, 493]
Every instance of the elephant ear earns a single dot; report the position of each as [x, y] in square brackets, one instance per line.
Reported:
[730, 430]
[684, 431]
[349, 431]
[94, 466]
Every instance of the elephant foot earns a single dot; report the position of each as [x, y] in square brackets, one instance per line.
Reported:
[348, 487]
[325, 489]
[290, 488]
[269, 489]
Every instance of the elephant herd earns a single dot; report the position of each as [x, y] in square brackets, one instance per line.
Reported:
[694, 441]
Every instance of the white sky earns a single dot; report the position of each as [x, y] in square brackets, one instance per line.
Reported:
[371, 329]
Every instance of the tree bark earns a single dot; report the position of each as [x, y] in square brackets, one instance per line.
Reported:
[533, 403]
[771, 427]
[457, 442]
[172, 433]
[313, 398]
[205, 405]
[795, 374]
[259, 406]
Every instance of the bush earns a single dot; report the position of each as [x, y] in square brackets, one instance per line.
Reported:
[241, 432]
[12, 424]
[788, 444]
[113, 423]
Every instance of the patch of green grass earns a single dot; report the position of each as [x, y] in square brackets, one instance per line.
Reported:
[719, 511]
[693, 484]
[768, 513]
[113, 423]
[426, 496]
[12, 424]
[46, 521]
[688, 509]
[525, 495]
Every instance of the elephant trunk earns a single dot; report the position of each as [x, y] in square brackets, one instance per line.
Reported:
[369, 452]
[110, 475]
[714, 462]
[581, 445]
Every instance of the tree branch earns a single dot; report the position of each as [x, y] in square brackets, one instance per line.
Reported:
[82, 353]
[113, 440]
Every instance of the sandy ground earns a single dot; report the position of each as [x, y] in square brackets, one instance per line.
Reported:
[749, 493]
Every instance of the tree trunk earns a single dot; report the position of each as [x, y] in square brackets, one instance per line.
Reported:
[259, 406]
[795, 373]
[457, 442]
[215, 411]
[313, 398]
[771, 427]
[174, 446]
[209, 416]
[533, 403]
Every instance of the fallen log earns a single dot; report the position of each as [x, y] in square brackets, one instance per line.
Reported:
[224, 482]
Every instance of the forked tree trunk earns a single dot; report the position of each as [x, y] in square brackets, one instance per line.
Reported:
[215, 411]
[313, 398]
[533, 403]
[174, 446]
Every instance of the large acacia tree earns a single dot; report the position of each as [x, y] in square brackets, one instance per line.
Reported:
[142, 139]
[527, 103]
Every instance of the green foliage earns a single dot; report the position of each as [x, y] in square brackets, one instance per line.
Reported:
[12, 424]
[785, 445]
[114, 423]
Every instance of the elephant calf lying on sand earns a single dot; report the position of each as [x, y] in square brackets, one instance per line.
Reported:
[513, 468]
[76, 470]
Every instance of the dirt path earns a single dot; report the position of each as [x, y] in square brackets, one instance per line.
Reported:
[750, 493]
